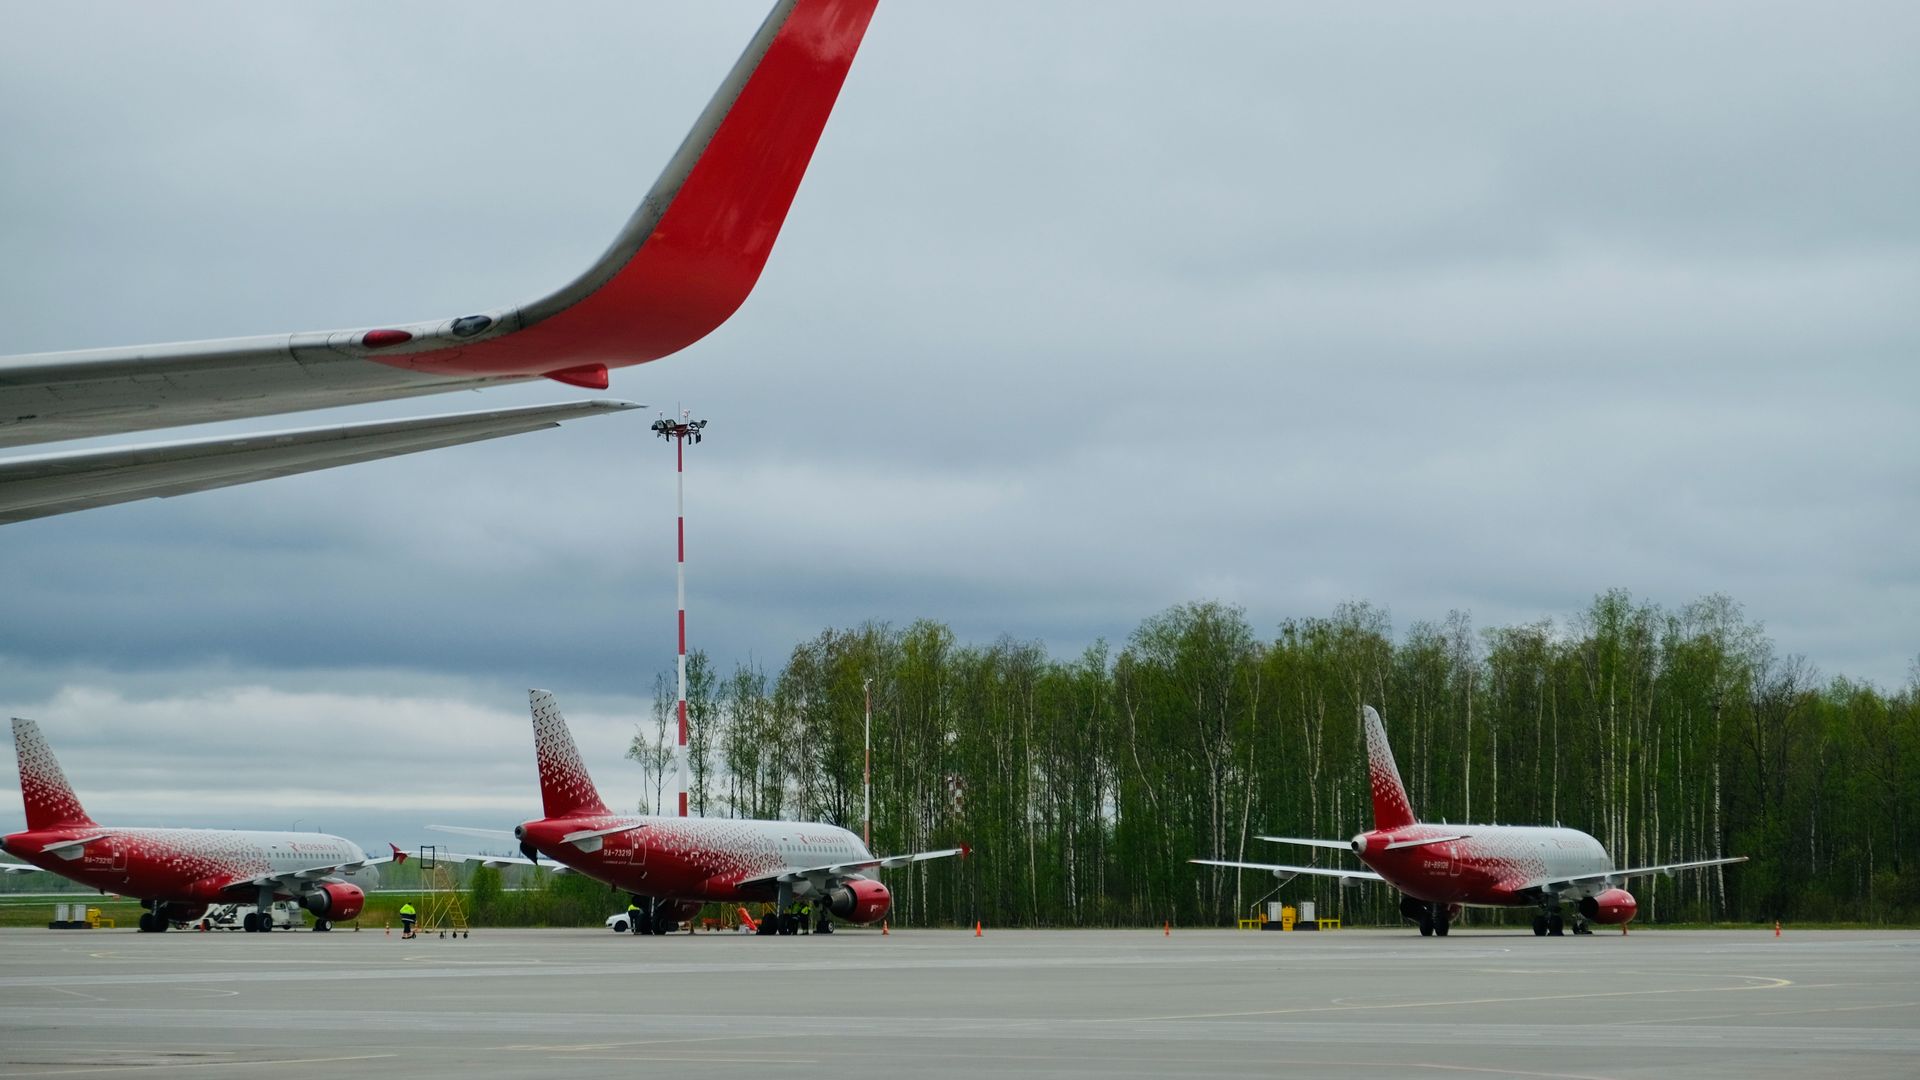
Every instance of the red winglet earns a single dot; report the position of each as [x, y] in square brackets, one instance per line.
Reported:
[398, 855]
[591, 376]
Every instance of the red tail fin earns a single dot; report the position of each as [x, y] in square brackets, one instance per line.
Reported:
[398, 855]
[565, 788]
[1391, 810]
[50, 800]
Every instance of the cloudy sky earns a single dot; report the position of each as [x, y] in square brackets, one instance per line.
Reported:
[1081, 312]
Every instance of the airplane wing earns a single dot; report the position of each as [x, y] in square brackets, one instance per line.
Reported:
[1335, 845]
[498, 861]
[1637, 871]
[19, 868]
[293, 879]
[47, 484]
[683, 263]
[848, 869]
[1345, 876]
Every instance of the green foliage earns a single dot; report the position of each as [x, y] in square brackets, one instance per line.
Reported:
[1084, 785]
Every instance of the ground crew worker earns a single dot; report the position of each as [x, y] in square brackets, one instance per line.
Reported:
[406, 921]
[806, 916]
[633, 917]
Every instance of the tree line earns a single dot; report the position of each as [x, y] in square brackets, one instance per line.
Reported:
[1084, 784]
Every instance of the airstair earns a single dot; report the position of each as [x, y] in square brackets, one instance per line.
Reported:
[442, 911]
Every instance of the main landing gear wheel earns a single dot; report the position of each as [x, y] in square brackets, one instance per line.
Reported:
[769, 926]
[663, 921]
[1539, 926]
[146, 922]
[1426, 924]
[321, 926]
[1556, 927]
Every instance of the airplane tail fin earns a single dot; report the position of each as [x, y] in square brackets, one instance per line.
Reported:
[50, 800]
[1391, 810]
[565, 788]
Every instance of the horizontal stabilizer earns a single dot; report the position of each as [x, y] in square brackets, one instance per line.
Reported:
[42, 485]
[484, 834]
[590, 839]
[1347, 877]
[1332, 845]
[1423, 842]
[72, 849]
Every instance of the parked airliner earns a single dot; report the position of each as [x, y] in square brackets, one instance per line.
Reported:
[673, 865]
[1441, 868]
[177, 873]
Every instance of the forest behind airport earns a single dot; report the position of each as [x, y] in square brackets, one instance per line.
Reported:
[1083, 784]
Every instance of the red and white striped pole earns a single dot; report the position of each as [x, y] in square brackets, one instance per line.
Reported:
[679, 432]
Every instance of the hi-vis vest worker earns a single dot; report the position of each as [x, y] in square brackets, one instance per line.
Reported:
[406, 920]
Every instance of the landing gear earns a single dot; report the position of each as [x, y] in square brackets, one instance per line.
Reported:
[823, 926]
[1539, 926]
[664, 922]
[1580, 927]
[1556, 927]
[769, 926]
[1440, 920]
[321, 926]
[146, 922]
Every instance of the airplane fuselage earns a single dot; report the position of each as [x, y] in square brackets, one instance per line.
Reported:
[182, 865]
[1483, 865]
[694, 859]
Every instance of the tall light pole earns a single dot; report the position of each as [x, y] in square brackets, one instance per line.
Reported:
[678, 432]
[866, 774]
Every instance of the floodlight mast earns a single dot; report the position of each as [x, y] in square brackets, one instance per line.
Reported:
[678, 432]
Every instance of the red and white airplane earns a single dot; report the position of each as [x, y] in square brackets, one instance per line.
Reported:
[685, 261]
[673, 865]
[1441, 868]
[178, 873]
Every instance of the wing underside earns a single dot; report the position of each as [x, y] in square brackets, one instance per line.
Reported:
[47, 484]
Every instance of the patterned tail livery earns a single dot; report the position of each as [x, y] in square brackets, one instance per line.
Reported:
[565, 788]
[50, 800]
[1391, 810]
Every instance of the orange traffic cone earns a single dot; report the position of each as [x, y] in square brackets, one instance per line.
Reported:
[1776, 928]
[1166, 928]
[883, 928]
[976, 928]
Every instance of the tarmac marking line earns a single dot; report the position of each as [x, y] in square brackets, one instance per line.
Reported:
[202, 1065]
[1770, 1012]
[1770, 984]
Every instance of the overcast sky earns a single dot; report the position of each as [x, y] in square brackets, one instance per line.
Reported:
[1082, 311]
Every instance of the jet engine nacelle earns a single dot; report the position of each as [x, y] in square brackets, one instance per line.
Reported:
[859, 901]
[336, 901]
[1615, 907]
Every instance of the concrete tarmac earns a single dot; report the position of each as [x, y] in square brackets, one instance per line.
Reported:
[584, 1003]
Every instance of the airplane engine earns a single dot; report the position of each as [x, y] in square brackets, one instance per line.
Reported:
[859, 901]
[335, 901]
[182, 912]
[1615, 907]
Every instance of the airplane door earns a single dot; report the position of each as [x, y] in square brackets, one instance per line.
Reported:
[1453, 860]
